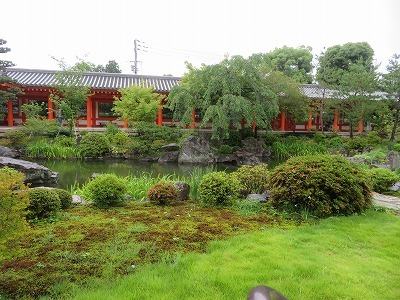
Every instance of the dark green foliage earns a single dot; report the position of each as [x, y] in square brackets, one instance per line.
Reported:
[44, 203]
[111, 129]
[65, 141]
[253, 179]
[234, 139]
[16, 137]
[121, 142]
[270, 138]
[321, 185]
[94, 144]
[218, 188]
[65, 198]
[246, 132]
[356, 143]
[372, 138]
[152, 132]
[382, 179]
[162, 193]
[107, 190]
[396, 147]
[226, 149]
[334, 142]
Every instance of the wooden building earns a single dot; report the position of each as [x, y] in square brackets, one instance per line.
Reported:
[37, 86]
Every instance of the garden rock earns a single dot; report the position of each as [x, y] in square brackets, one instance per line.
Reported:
[393, 160]
[76, 199]
[253, 146]
[169, 157]
[183, 190]
[34, 173]
[229, 158]
[7, 152]
[395, 187]
[196, 150]
[170, 147]
[258, 197]
[246, 158]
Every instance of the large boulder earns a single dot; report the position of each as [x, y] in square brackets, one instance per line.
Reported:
[169, 157]
[393, 160]
[246, 158]
[196, 150]
[34, 173]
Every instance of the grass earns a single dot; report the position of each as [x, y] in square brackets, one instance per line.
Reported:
[185, 251]
[340, 258]
[297, 147]
[43, 148]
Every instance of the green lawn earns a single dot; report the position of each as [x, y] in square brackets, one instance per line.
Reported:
[355, 257]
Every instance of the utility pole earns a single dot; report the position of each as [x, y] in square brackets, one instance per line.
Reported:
[135, 65]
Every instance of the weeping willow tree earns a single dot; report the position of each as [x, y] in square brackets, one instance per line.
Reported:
[227, 93]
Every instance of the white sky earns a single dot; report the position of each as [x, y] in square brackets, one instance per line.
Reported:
[182, 30]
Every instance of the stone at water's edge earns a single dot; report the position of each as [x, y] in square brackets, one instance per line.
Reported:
[183, 190]
[34, 173]
[393, 160]
[196, 150]
[7, 152]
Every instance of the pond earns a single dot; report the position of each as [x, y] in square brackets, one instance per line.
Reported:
[79, 171]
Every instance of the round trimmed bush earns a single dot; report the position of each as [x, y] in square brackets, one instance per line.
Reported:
[65, 198]
[162, 193]
[253, 179]
[382, 179]
[218, 188]
[107, 190]
[44, 203]
[321, 185]
[94, 144]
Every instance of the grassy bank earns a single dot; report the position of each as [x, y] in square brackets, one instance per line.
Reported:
[341, 258]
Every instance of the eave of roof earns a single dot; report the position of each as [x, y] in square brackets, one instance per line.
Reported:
[99, 81]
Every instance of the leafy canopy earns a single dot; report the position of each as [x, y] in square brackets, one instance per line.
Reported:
[137, 103]
[70, 92]
[226, 93]
[8, 90]
[295, 63]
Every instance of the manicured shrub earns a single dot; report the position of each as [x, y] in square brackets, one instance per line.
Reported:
[382, 179]
[44, 203]
[226, 149]
[65, 198]
[162, 193]
[94, 144]
[13, 203]
[246, 132]
[234, 139]
[253, 179]
[121, 143]
[218, 188]
[356, 143]
[321, 185]
[152, 132]
[107, 190]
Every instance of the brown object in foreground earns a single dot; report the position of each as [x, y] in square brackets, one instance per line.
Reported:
[262, 292]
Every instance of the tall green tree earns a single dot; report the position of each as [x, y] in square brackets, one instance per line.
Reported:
[226, 93]
[355, 94]
[112, 67]
[390, 83]
[137, 103]
[295, 63]
[70, 92]
[337, 60]
[7, 90]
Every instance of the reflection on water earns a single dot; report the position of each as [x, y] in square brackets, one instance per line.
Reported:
[79, 171]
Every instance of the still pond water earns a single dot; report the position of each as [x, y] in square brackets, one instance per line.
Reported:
[79, 171]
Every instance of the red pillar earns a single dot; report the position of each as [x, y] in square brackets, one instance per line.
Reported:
[309, 125]
[253, 125]
[283, 121]
[10, 117]
[335, 122]
[89, 112]
[125, 123]
[50, 111]
[159, 117]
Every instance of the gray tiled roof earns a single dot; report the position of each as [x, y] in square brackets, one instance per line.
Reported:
[101, 81]
[316, 91]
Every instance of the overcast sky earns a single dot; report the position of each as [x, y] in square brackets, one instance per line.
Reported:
[176, 31]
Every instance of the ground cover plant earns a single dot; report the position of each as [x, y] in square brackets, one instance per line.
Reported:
[338, 258]
[85, 243]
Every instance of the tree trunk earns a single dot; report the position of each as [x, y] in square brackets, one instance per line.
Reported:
[351, 131]
[396, 120]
